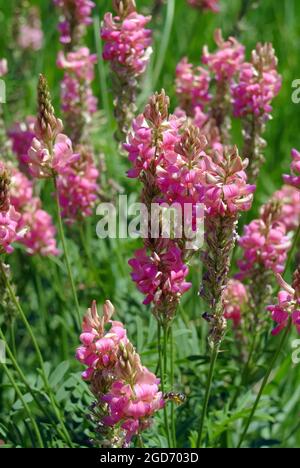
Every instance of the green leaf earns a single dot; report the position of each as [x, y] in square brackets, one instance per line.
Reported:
[59, 373]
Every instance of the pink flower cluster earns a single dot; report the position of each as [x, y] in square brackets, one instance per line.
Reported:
[76, 93]
[9, 217]
[130, 392]
[265, 244]
[180, 173]
[258, 84]
[30, 34]
[192, 86]
[289, 199]
[78, 188]
[288, 307]
[37, 224]
[9, 229]
[161, 275]
[99, 350]
[22, 135]
[127, 42]
[227, 60]
[140, 147]
[212, 5]
[3, 67]
[73, 11]
[225, 181]
[45, 161]
[294, 178]
[234, 299]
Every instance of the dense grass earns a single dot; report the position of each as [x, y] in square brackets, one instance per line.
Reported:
[100, 267]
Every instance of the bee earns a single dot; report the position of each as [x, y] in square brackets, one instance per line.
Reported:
[178, 398]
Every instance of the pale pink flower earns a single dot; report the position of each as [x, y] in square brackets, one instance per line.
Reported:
[227, 60]
[255, 91]
[209, 5]
[78, 190]
[73, 11]
[76, 93]
[288, 307]
[30, 34]
[234, 299]
[294, 178]
[3, 67]
[289, 199]
[44, 163]
[9, 229]
[37, 224]
[133, 406]
[225, 181]
[99, 348]
[21, 190]
[21, 135]
[192, 86]
[140, 147]
[80, 62]
[127, 392]
[40, 231]
[265, 245]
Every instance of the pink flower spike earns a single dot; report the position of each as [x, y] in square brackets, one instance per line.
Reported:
[3, 67]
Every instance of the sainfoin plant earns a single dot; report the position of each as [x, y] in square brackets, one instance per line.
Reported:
[149, 226]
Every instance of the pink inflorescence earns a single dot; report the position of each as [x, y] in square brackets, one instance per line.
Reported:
[37, 224]
[44, 162]
[73, 11]
[9, 217]
[209, 5]
[76, 93]
[264, 244]
[289, 199]
[234, 299]
[3, 67]
[127, 42]
[294, 178]
[30, 34]
[288, 307]
[180, 172]
[129, 391]
[257, 86]
[192, 86]
[226, 191]
[227, 60]
[140, 145]
[8, 229]
[21, 135]
[78, 189]
[160, 276]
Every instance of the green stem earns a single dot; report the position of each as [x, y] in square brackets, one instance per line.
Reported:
[37, 349]
[26, 407]
[13, 337]
[23, 379]
[140, 443]
[162, 354]
[264, 383]
[164, 42]
[102, 73]
[173, 416]
[65, 249]
[95, 274]
[213, 360]
[244, 373]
